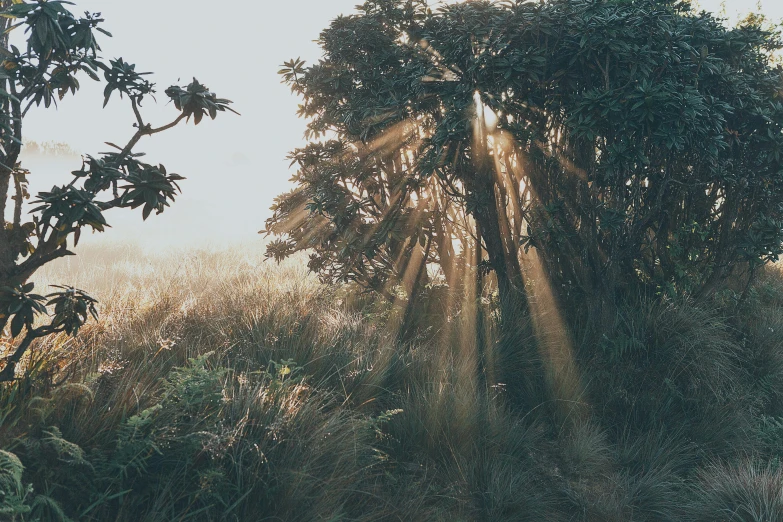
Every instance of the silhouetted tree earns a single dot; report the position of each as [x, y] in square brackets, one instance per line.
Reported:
[635, 145]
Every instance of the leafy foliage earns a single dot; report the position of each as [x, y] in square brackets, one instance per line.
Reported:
[635, 145]
[72, 308]
[197, 101]
[123, 78]
[23, 306]
[61, 47]
[13, 492]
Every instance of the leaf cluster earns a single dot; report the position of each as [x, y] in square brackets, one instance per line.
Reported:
[197, 101]
[71, 309]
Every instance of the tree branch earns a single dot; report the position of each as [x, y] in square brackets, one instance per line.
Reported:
[8, 373]
[145, 131]
[34, 262]
[135, 106]
[18, 202]
[166, 127]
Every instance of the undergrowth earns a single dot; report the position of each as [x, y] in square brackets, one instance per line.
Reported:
[219, 387]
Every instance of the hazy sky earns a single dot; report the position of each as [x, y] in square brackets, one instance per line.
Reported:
[235, 165]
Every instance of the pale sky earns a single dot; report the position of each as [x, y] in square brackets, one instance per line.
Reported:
[235, 165]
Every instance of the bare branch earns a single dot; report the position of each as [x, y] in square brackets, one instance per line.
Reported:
[18, 201]
[166, 127]
[36, 261]
[145, 131]
[9, 371]
[135, 106]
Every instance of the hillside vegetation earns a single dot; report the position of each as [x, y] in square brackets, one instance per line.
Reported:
[525, 272]
[220, 387]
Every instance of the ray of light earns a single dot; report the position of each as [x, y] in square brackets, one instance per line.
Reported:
[390, 140]
[554, 341]
[552, 334]
[409, 264]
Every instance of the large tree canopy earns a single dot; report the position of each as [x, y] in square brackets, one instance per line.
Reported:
[635, 145]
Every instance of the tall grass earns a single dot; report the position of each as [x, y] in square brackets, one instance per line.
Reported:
[219, 387]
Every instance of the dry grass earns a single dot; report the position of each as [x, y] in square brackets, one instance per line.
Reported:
[220, 387]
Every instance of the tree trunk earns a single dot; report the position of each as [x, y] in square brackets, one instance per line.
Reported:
[507, 273]
[7, 161]
[413, 289]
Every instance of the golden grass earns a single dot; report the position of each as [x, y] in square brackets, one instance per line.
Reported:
[217, 386]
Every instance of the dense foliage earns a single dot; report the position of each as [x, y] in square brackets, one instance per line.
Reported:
[635, 145]
[59, 48]
[220, 388]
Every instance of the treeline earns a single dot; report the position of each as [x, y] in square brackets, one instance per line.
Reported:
[49, 149]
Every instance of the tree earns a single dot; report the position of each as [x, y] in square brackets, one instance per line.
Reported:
[633, 145]
[60, 48]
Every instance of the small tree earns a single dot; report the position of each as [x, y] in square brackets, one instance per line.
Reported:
[636, 145]
[60, 48]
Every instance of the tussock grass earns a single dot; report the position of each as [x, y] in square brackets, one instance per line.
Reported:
[220, 387]
[745, 491]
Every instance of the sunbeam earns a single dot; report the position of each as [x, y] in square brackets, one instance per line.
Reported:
[551, 331]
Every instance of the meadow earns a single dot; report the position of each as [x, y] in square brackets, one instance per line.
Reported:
[217, 386]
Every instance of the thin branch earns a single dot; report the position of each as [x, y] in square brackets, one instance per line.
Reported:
[135, 106]
[145, 131]
[166, 127]
[18, 201]
[8, 373]
[35, 262]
